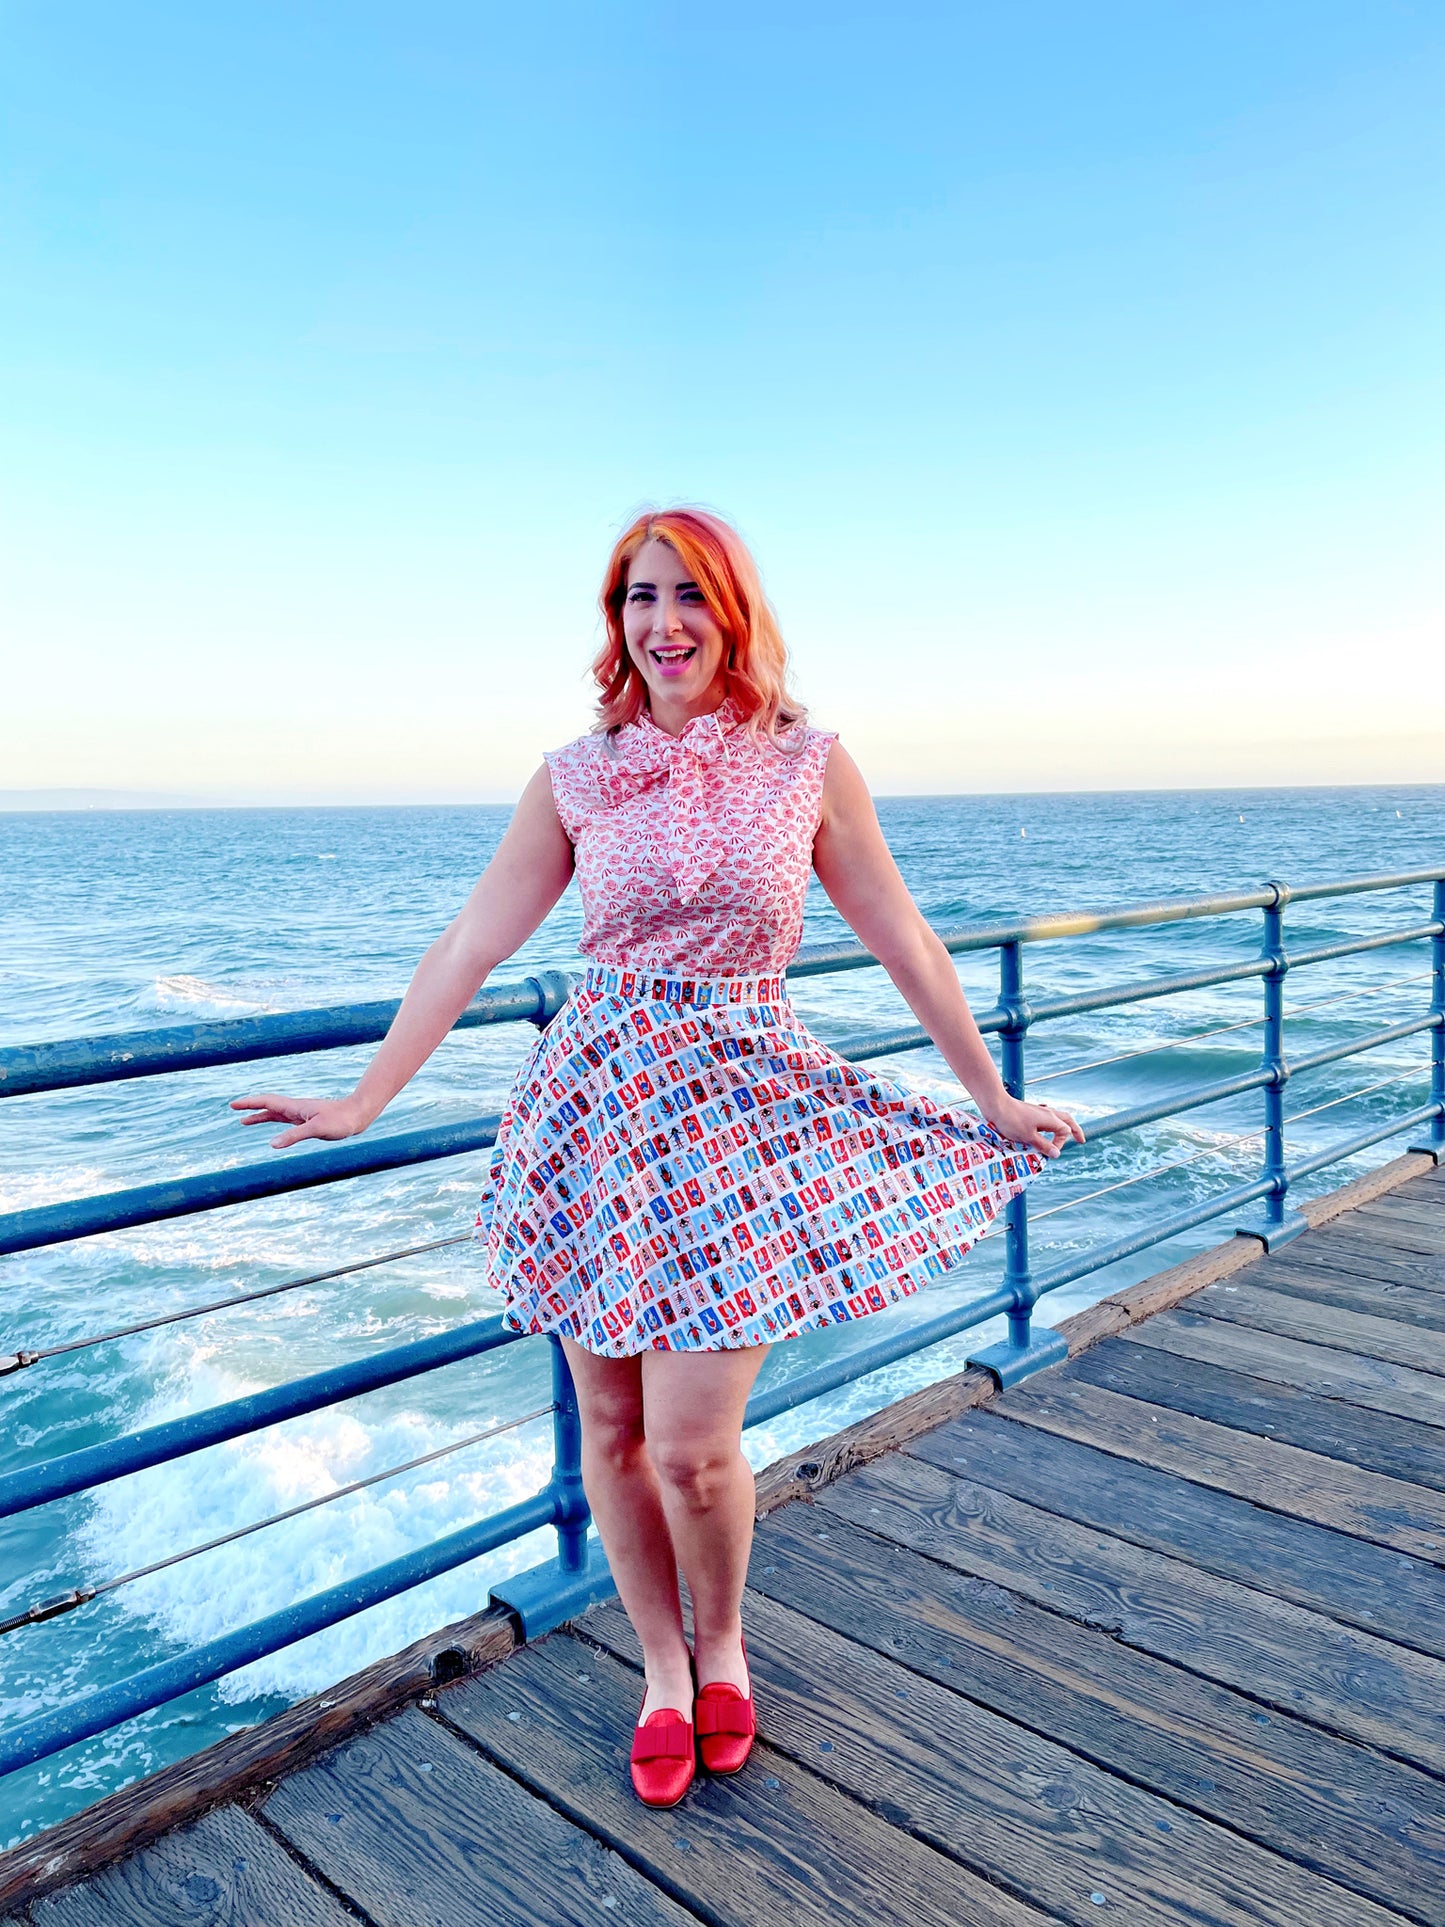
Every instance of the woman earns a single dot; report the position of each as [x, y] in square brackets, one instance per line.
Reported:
[683, 1174]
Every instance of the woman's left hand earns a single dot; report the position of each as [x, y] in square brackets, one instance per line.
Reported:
[1039, 1126]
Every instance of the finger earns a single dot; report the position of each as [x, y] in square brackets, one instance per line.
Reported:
[267, 1105]
[293, 1136]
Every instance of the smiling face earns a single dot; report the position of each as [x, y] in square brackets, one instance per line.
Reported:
[673, 638]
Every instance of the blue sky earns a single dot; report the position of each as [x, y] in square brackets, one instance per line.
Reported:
[1074, 370]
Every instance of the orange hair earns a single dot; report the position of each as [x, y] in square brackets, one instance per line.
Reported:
[716, 557]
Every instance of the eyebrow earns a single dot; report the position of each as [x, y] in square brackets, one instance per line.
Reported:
[653, 586]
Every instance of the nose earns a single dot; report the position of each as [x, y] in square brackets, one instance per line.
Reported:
[665, 618]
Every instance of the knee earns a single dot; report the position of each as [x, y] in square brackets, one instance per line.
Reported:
[698, 1474]
[613, 1439]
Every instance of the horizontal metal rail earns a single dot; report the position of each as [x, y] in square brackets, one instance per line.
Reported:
[82, 1595]
[53, 1224]
[52, 1732]
[18, 1361]
[95, 1465]
[1228, 1203]
[28, 1068]
[1223, 1030]
[1043, 1009]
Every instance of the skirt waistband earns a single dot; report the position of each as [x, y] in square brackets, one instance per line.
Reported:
[666, 987]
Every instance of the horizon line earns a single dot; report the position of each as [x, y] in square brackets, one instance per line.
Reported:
[85, 801]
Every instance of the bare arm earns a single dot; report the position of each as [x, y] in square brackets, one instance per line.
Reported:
[856, 868]
[529, 872]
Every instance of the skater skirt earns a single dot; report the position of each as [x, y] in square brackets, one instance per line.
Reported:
[683, 1166]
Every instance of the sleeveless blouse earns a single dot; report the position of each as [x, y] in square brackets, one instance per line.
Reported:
[692, 852]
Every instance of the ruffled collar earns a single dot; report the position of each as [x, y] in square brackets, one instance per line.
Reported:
[641, 757]
[716, 725]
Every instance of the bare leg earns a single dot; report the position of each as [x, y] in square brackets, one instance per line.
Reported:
[693, 1411]
[622, 1490]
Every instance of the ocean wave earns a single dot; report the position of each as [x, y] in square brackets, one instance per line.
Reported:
[201, 999]
[170, 1508]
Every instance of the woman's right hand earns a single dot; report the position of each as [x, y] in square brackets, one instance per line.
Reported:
[323, 1117]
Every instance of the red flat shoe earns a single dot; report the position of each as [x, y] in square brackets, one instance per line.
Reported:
[726, 1725]
[664, 1758]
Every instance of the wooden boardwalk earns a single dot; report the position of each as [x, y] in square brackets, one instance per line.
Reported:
[1157, 1637]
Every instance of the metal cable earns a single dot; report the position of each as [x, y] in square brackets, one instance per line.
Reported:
[1369, 1089]
[1224, 1030]
[17, 1360]
[1210, 1150]
[82, 1595]
[1158, 1171]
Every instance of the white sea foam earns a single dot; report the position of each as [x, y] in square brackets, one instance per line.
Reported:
[201, 999]
[169, 1508]
[20, 1190]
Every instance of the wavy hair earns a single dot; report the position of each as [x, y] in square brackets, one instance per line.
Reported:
[756, 665]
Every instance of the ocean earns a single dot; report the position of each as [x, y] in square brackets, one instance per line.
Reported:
[118, 919]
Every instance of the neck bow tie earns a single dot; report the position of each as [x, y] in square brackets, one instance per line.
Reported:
[693, 844]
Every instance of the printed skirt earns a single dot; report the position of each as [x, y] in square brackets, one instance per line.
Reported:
[682, 1166]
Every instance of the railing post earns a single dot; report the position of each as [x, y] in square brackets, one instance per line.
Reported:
[573, 1512]
[579, 1576]
[1435, 1147]
[1280, 1223]
[1025, 1350]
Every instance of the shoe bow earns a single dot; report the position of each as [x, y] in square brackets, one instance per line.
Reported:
[721, 1708]
[664, 1735]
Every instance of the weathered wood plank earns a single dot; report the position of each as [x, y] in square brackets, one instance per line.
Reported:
[145, 1810]
[1290, 1361]
[774, 1845]
[1376, 1297]
[1326, 1492]
[1387, 1234]
[1375, 1441]
[1003, 1798]
[225, 1871]
[1370, 1823]
[1291, 1316]
[1283, 1655]
[1403, 1176]
[1339, 1255]
[1409, 1208]
[1386, 1593]
[408, 1823]
[1405, 1215]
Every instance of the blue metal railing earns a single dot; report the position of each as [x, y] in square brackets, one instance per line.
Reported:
[577, 1574]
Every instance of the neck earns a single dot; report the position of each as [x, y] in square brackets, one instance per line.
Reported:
[672, 714]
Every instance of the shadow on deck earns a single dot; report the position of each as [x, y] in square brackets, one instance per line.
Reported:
[1158, 1636]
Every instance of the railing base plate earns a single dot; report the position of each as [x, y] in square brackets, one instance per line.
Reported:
[1272, 1236]
[1011, 1363]
[545, 1596]
[1432, 1151]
